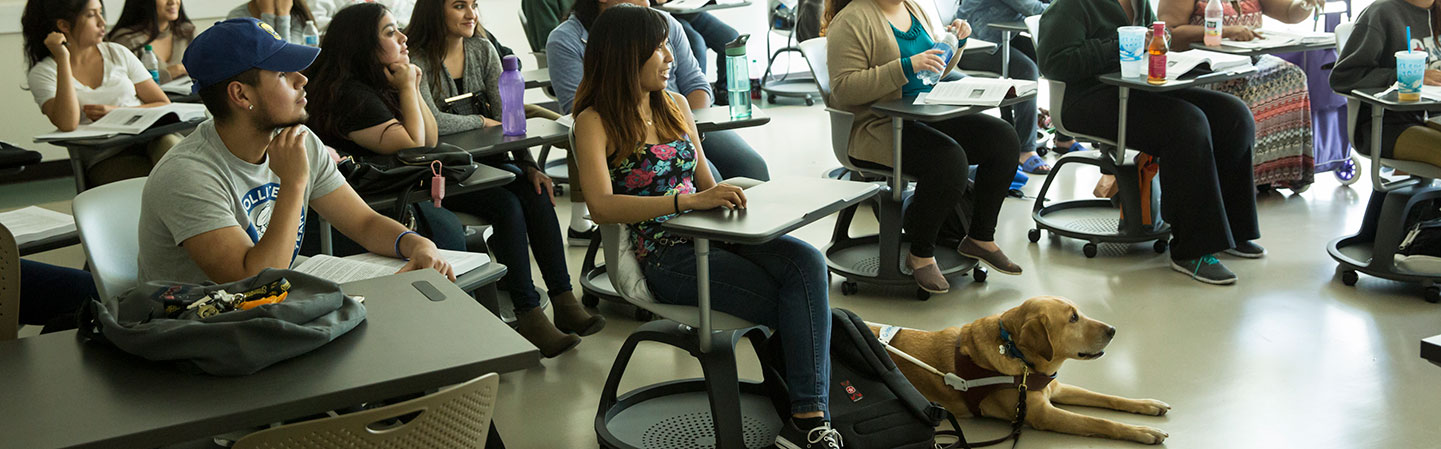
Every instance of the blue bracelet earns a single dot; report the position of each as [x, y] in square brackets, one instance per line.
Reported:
[397, 244]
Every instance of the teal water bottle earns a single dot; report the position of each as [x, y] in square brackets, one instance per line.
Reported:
[738, 79]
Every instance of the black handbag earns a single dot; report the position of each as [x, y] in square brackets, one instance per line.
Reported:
[404, 171]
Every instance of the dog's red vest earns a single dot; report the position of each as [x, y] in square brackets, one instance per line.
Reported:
[969, 370]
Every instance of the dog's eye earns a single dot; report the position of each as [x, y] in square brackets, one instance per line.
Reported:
[1075, 317]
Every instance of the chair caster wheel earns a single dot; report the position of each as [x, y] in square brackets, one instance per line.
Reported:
[849, 288]
[1433, 295]
[1089, 250]
[1349, 278]
[1034, 235]
[589, 300]
[979, 273]
[1160, 246]
[922, 295]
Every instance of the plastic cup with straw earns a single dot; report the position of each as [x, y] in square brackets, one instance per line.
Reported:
[1410, 68]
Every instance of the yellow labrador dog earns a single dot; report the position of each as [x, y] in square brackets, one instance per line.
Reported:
[1043, 332]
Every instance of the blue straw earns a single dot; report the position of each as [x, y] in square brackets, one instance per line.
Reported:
[1408, 39]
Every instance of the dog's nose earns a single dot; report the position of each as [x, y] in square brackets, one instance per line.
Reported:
[1110, 331]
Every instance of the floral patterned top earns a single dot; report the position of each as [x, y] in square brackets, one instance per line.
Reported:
[656, 170]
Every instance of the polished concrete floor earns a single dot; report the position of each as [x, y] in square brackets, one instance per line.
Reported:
[1286, 358]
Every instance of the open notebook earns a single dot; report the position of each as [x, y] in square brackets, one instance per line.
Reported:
[1179, 63]
[178, 86]
[1277, 39]
[129, 121]
[370, 265]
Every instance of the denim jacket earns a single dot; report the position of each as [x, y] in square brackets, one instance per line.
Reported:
[981, 13]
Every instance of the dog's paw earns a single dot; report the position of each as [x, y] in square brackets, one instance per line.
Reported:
[1152, 407]
[1149, 435]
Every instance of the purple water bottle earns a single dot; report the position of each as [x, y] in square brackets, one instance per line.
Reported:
[512, 97]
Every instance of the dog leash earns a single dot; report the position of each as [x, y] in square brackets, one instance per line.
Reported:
[889, 332]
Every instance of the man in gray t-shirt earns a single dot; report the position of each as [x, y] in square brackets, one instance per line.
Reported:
[219, 206]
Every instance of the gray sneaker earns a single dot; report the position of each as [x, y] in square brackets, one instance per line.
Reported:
[1248, 249]
[1205, 269]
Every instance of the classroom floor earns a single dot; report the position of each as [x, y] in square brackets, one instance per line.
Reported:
[1288, 357]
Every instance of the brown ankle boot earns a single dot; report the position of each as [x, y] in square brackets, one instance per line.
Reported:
[551, 341]
[571, 316]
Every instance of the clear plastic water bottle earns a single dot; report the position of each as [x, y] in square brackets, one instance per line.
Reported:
[312, 34]
[512, 97]
[946, 43]
[1214, 11]
[151, 63]
[738, 79]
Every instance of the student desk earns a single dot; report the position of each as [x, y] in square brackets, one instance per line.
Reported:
[1256, 52]
[490, 140]
[1376, 255]
[538, 78]
[485, 177]
[483, 277]
[718, 118]
[1431, 349]
[1008, 29]
[740, 412]
[709, 6]
[61, 392]
[76, 148]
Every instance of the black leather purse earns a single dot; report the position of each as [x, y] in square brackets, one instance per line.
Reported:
[404, 171]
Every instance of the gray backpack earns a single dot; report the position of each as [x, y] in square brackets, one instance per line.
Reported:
[233, 343]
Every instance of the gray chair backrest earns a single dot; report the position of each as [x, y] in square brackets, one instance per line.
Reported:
[814, 51]
[1058, 90]
[458, 417]
[9, 286]
[108, 220]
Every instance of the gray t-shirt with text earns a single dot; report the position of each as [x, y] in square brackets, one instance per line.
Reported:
[200, 186]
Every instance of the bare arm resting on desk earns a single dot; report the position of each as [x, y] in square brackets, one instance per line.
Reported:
[608, 207]
[344, 209]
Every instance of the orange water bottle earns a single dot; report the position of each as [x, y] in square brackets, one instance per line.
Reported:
[1156, 74]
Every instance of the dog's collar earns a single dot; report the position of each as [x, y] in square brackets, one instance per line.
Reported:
[1009, 348]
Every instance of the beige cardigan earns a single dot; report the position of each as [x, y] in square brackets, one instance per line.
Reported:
[865, 67]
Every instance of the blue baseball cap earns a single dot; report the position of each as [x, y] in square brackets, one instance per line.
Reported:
[233, 46]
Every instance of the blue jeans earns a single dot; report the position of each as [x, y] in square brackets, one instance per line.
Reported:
[730, 155]
[522, 218]
[705, 31]
[50, 295]
[780, 284]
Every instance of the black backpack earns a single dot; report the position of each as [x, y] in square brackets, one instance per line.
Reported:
[872, 404]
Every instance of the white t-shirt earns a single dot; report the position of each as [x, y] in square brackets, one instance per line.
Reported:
[122, 72]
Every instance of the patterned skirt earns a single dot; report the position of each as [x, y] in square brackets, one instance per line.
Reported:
[1281, 105]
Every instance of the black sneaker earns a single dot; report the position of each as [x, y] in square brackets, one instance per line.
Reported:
[1248, 249]
[1205, 269]
[579, 238]
[821, 437]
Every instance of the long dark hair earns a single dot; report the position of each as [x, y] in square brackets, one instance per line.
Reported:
[427, 33]
[140, 16]
[833, 7]
[347, 54]
[623, 38]
[587, 11]
[38, 21]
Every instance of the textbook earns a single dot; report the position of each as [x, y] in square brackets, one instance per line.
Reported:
[33, 224]
[1277, 39]
[178, 86]
[370, 265]
[977, 91]
[129, 121]
[1179, 63]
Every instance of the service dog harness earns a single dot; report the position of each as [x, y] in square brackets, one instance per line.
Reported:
[975, 382]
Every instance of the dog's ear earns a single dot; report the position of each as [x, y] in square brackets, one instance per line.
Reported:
[1035, 340]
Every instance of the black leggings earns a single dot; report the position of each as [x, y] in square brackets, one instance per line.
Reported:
[935, 155]
[1204, 140]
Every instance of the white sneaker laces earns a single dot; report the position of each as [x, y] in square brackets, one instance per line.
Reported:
[825, 433]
